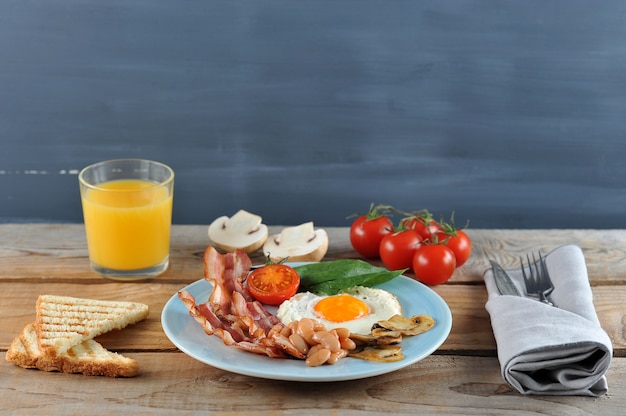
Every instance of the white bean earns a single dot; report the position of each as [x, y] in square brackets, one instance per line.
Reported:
[299, 342]
[327, 340]
[318, 358]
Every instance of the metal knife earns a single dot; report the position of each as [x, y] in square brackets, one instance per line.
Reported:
[503, 280]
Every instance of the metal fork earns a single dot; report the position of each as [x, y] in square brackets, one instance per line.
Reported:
[538, 281]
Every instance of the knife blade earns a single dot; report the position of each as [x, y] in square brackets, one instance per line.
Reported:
[503, 280]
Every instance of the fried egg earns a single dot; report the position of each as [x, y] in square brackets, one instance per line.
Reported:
[356, 309]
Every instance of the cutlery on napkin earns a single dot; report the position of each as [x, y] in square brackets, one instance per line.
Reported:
[548, 350]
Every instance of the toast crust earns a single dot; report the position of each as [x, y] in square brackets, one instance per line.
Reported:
[89, 357]
[61, 338]
[63, 321]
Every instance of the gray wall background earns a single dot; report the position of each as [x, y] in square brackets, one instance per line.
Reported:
[510, 113]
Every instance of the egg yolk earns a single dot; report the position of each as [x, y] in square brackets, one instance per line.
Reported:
[341, 308]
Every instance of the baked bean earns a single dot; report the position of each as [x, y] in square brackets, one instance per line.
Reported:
[318, 326]
[286, 331]
[347, 344]
[342, 332]
[287, 345]
[299, 343]
[327, 340]
[309, 338]
[318, 358]
[306, 330]
[336, 356]
[313, 349]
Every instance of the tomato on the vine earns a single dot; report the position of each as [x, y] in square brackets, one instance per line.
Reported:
[433, 264]
[367, 231]
[273, 283]
[456, 239]
[423, 223]
[460, 244]
[397, 248]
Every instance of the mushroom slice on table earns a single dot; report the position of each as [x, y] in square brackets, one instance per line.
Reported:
[243, 231]
[299, 243]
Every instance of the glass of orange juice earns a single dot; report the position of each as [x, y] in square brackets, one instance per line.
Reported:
[127, 209]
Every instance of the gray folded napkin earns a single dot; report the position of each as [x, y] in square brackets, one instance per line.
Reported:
[548, 350]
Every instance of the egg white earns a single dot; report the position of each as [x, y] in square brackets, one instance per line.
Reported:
[382, 305]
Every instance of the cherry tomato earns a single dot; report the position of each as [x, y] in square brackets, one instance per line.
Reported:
[433, 264]
[274, 283]
[460, 244]
[397, 249]
[367, 231]
[456, 239]
[424, 225]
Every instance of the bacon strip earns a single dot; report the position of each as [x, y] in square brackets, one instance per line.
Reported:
[201, 314]
[230, 312]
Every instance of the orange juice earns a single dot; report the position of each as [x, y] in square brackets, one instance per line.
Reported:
[127, 223]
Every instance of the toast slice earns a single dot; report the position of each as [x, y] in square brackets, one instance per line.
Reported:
[64, 322]
[88, 357]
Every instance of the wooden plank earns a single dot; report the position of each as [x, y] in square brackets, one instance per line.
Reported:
[53, 257]
[18, 308]
[172, 383]
[605, 251]
[58, 251]
[471, 330]
[462, 377]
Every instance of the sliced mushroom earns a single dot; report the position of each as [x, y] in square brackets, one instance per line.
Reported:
[374, 340]
[299, 243]
[241, 231]
[384, 353]
[380, 332]
[401, 325]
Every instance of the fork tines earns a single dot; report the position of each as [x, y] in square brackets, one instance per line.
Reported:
[537, 281]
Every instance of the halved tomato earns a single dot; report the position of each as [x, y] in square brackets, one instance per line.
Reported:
[273, 284]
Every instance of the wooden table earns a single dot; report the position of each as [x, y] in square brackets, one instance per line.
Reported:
[462, 377]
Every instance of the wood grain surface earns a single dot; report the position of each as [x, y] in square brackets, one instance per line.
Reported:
[462, 377]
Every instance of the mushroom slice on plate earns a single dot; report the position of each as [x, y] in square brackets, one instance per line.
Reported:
[374, 340]
[242, 231]
[401, 325]
[384, 353]
[299, 243]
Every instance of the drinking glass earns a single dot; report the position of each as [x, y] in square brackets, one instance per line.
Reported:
[127, 209]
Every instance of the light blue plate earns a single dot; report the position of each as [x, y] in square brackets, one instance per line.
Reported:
[415, 298]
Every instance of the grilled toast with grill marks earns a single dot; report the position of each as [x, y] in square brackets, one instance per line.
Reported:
[89, 357]
[64, 322]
